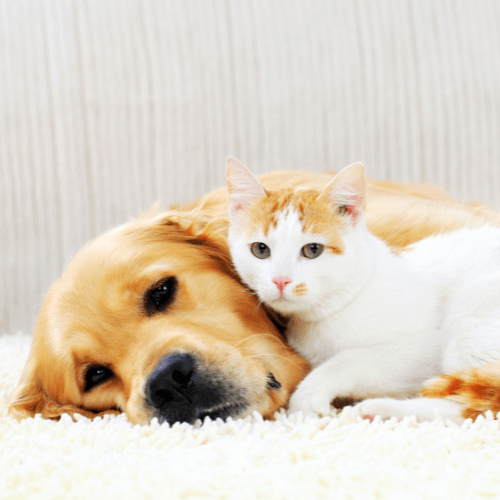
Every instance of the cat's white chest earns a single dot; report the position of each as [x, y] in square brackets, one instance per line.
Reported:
[317, 341]
[311, 340]
[395, 310]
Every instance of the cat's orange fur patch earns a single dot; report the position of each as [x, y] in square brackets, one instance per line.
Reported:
[317, 215]
[300, 290]
[478, 389]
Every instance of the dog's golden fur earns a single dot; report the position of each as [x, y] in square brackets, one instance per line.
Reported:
[97, 313]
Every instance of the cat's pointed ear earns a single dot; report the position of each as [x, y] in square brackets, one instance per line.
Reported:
[348, 191]
[242, 186]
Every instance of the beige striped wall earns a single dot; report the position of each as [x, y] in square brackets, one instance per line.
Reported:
[107, 105]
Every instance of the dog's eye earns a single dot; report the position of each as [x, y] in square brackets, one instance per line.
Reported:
[260, 250]
[158, 298]
[96, 375]
[312, 250]
[272, 382]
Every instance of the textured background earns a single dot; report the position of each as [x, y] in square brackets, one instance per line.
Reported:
[108, 105]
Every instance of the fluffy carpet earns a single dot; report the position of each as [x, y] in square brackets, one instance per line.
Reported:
[339, 457]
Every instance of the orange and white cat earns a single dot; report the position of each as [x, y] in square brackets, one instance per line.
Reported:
[373, 323]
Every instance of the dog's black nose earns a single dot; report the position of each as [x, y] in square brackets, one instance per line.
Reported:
[182, 388]
[170, 381]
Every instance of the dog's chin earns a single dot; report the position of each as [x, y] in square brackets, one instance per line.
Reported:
[222, 411]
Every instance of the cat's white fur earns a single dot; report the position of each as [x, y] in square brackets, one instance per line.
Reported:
[374, 324]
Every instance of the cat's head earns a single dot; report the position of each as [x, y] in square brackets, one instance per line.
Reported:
[296, 248]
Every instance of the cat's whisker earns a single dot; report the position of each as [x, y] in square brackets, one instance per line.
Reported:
[258, 335]
[259, 303]
[251, 292]
[266, 354]
[274, 355]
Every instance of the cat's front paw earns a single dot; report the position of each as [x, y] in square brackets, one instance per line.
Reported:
[370, 408]
[385, 408]
[422, 409]
[309, 402]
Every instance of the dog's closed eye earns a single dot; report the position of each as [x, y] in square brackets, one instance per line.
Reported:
[272, 382]
[160, 295]
[96, 375]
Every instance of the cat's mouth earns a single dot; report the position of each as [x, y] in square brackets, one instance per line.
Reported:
[283, 301]
[279, 298]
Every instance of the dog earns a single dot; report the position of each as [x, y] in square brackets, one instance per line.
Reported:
[151, 319]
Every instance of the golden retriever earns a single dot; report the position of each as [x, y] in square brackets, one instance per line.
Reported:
[151, 319]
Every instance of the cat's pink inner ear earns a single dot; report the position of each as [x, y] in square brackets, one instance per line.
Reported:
[242, 186]
[348, 190]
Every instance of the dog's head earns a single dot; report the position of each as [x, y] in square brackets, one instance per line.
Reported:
[151, 319]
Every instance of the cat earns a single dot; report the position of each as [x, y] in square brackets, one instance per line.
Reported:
[374, 324]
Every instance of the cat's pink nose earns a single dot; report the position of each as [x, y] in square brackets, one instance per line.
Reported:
[281, 282]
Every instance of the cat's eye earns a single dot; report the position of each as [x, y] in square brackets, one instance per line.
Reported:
[312, 250]
[96, 375]
[260, 250]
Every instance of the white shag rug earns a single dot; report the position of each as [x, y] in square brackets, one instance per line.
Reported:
[339, 457]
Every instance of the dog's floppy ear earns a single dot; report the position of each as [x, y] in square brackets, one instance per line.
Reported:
[30, 396]
[30, 399]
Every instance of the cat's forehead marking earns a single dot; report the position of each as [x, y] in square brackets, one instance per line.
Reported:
[316, 215]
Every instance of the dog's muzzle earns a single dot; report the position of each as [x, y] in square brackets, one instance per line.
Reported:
[181, 389]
